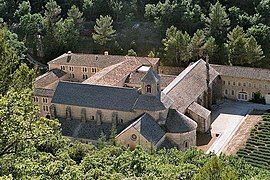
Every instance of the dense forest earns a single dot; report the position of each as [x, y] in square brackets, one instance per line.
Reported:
[230, 32]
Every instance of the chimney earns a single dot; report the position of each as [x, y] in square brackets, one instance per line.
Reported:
[69, 56]
[106, 53]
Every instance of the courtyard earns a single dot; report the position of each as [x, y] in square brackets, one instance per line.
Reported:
[227, 117]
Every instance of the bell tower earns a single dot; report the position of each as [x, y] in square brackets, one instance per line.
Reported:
[150, 83]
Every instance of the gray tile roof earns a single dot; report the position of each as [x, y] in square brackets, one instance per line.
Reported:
[151, 77]
[199, 110]
[148, 128]
[242, 72]
[167, 144]
[177, 122]
[149, 103]
[115, 75]
[94, 96]
[87, 130]
[43, 92]
[188, 86]
[97, 60]
[49, 78]
[136, 77]
[104, 97]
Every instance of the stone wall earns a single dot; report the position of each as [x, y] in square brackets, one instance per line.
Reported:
[183, 140]
[127, 138]
[232, 86]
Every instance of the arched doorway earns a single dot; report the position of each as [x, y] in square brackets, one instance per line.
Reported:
[242, 96]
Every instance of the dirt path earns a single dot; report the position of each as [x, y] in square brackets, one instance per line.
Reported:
[240, 138]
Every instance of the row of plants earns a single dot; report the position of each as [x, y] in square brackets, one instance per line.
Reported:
[257, 149]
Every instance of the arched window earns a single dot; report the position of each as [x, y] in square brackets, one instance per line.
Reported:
[148, 89]
[186, 145]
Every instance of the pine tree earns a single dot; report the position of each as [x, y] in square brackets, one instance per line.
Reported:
[104, 31]
[218, 23]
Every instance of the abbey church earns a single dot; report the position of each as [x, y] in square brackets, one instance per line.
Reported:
[102, 95]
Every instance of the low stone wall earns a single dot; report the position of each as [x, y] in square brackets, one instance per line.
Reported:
[170, 70]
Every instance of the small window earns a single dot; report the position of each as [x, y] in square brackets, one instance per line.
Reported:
[71, 68]
[94, 70]
[45, 100]
[186, 144]
[133, 137]
[84, 69]
[85, 76]
[148, 89]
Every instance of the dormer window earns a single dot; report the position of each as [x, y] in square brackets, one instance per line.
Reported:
[148, 89]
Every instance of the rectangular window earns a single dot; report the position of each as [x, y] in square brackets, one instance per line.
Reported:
[84, 69]
[71, 68]
[94, 70]
[45, 100]
[85, 76]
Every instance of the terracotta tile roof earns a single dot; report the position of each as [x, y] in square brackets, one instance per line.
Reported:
[199, 110]
[243, 72]
[187, 86]
[115, 75]
[49, 78]
[97, 60]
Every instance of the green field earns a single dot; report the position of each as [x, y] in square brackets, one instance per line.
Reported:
[257, 149]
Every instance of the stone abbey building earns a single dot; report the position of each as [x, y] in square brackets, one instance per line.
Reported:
[95, 95]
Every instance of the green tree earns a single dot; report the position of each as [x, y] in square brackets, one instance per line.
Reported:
[9, 62]
[23, 78]
[200, 46]
[20, 125]
[66, 35]
[104, 31]
[243, 49]
[88, 9]
[24, 8]
[176, 46]
[52, 13]
[31, 25]
[75, 14]
[218, 23]
[131, 52]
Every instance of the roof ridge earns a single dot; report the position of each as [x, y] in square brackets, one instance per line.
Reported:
[173, 84]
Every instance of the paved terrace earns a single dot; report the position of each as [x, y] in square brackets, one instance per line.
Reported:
[227, 118]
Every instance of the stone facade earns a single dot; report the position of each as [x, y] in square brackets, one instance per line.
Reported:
[243, 88]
